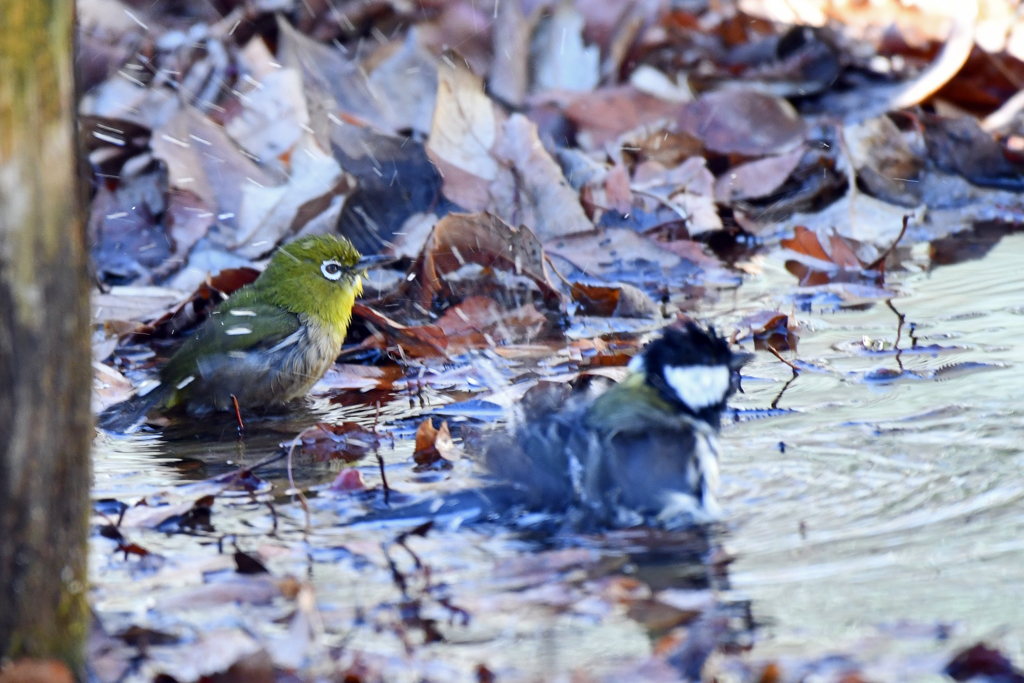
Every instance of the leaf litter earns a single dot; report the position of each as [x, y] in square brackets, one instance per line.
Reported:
[557, 181]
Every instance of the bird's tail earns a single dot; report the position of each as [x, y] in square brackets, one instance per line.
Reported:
[128, 415]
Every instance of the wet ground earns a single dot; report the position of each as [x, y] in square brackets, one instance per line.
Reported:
[873, 497]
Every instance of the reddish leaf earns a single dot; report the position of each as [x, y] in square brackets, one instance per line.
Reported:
[806, 242]
[349, 480]
[434, 446]
[426, 341]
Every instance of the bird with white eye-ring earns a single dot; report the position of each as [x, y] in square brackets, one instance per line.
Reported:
[331, 270]
[295, 317]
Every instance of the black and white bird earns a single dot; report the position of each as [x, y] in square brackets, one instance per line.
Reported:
[640, 452]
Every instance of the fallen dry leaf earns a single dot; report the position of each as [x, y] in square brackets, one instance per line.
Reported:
[559, 58]
[884, 160]
[756, 178]
[332, 83]
[386, 334]
[603, 115]
[349, 480]
[202, 159]
[434, 446]
[405, 84]
[267, 214]
[493, 163]
[479, 322]
[509, 76]
[743, 122]
[479, 238]
[273, 115]
[621, 300]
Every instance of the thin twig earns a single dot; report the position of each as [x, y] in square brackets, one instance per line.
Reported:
[899, 332]
[664, 200]
[291, 481]
[383, 479]
[547, 257]
[238, 414]
[779, 356]
[775, 403]
[880, 261]
[380, 458]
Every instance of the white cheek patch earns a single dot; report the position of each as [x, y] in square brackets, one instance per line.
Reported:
[699, 386]
[331, 270]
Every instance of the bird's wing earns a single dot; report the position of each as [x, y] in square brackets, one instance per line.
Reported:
[240, 324]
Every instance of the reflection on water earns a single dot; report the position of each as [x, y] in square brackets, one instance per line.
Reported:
[869, 499]
[891, 501]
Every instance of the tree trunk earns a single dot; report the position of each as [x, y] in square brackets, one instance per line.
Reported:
[45, 369]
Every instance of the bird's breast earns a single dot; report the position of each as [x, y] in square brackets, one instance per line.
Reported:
[315, 352]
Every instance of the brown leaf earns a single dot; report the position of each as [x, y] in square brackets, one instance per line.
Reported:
[480, 238]
[981, 660]
[247, 564]
[806, 242]
[659, 617]
[202, 159]
[419, 342]
[843, 254]
[884, 161]
[108, 387]
[231, 279]
[273, 115]
[621, 300]
[434, 446]
[768, 329]
[186, 221]
[479, 322]
[349, 480]
[614, 248]
[331, 82]
[595, 300]
[405, 85]
[743, 122]
[603, 115]
[757, 178]
[180, 515]
[559, 58]
[509, 77]
[616, 189]
[267, 214]
[493, 163]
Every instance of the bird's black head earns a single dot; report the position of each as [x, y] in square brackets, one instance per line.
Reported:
[693, 368]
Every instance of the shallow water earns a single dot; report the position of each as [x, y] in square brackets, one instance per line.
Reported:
[909, 492]
[882, 513]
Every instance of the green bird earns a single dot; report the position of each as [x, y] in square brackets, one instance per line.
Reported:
[267, 344]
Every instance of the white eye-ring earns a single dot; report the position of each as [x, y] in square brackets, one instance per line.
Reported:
[331, 270]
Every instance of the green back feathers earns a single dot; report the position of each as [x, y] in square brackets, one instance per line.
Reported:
[316, 277]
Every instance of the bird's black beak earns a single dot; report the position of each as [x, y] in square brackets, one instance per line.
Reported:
[374, 261]
[739, 359]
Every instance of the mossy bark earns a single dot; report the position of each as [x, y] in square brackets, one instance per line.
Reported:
[45, 369]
